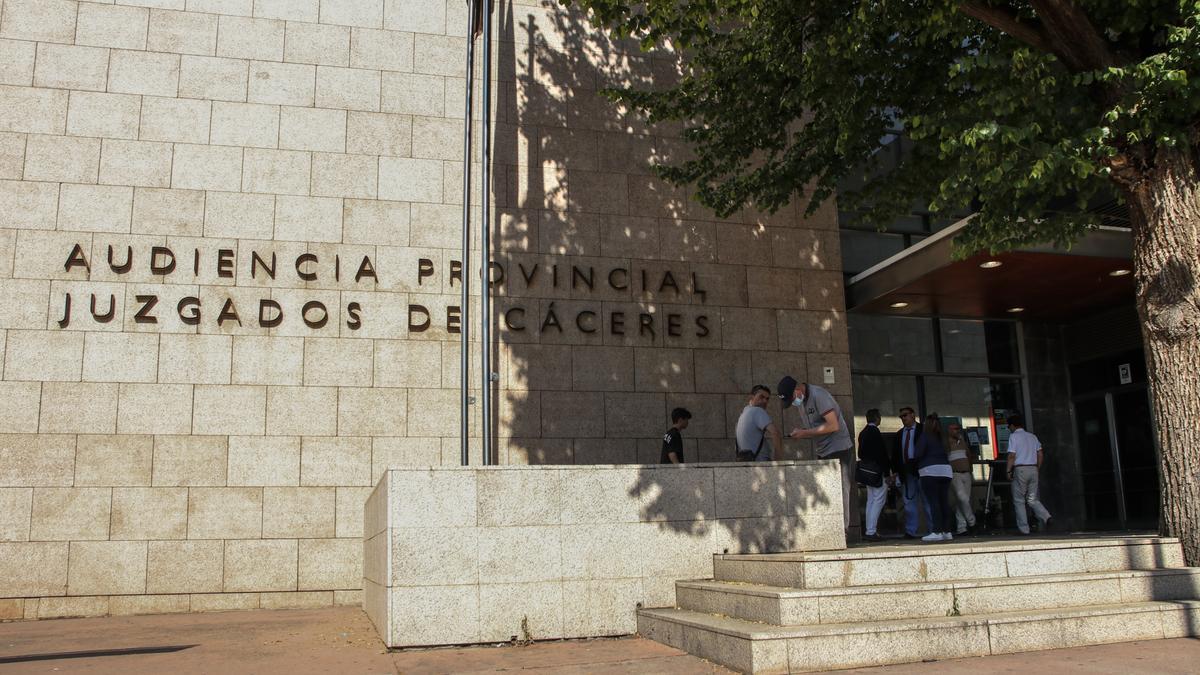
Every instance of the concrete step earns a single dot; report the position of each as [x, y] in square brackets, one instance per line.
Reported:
[758, 648]
[790, 606]
[960, 560]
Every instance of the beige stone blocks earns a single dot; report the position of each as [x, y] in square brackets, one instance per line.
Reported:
[190, 461]
[268, 565]
[30, 205]
[298, 512]
[62, 158]
[289, 10]
[113, 460]
[111, 26]
[182, 32]
[225, 513]
[232, 214]
[319, 44]
[246, 38]
[149, 73]
[375, 411]
[40, 20]
[28, 460]
[303, 411]
[257, 460]
[281, 83]
[136, 163]
[281, 172]
[20, 405]
[312, 129]
[149, 513]
[43, 355]
[229, 409]
[365, 13]
[197, 359]
[184, 567]
[415, 16]
[71, 67]
[244, 124]
[16, 508]
[70, 514]
[331, 362]
[35, 111]
[17, 61]
[381, 49]
[411, 180]
[33, 568]
[348, 88]
[176, 120]
[326, 564]
[129, 605]
[379, 134]
[341, 461]
[203, 167]
[12, 155]
[216, 78]
[107, 568]
[154, 409]
[313, 219]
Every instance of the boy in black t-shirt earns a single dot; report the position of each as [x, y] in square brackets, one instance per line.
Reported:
[672, 450]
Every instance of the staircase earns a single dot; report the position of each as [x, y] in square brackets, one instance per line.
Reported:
[868, 606]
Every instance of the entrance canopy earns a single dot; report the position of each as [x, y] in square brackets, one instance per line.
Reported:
[1042, 282]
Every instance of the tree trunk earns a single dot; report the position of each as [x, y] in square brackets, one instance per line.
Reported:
[1165, 208]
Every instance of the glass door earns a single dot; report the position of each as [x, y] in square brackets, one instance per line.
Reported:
[1117, 459]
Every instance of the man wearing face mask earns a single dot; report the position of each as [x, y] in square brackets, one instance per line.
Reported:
[821, 420]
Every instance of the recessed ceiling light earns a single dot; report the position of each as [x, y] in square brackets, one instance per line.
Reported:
[1120, 273]
[991, 264]
[1015, 310]
[899, 305]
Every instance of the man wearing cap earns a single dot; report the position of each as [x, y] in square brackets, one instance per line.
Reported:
[821, 420]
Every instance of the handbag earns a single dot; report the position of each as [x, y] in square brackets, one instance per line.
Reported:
[868, 473]
[749, 455]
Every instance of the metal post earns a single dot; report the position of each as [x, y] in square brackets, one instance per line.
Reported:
[485, 305]
[465, 352]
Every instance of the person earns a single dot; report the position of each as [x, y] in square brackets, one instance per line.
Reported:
[959, 453]
[905, 467]
[821, 420]
[871, 449]
[672, 449]
[933, 469]
[753, 427]
[1024, 459]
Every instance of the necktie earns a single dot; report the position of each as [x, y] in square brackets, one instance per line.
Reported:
[908, 449]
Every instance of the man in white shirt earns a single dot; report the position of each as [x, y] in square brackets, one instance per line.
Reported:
[1024, 460]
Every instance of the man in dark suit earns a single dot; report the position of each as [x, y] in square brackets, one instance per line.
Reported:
[905, 465]
[873, 454]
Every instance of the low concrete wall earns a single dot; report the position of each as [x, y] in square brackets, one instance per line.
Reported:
[466, 555]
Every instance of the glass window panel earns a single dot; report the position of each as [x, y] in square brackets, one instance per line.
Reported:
[979, 346]
[862, 250]
[889, 393]
[891, 343]
[979, 404]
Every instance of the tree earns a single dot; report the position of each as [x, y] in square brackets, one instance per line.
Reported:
[1022, 111]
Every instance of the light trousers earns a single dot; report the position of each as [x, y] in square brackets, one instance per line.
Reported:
[876, 498]
[960, 490]
[1025, 493]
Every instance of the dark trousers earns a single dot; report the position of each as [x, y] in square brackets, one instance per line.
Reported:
[937, 494]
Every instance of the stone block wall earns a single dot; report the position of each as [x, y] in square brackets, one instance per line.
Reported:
[254, 208]
[466, 555]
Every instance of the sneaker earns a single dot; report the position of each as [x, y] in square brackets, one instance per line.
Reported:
[932, 537]
[960, 532]
[872, 537]
[946, 536]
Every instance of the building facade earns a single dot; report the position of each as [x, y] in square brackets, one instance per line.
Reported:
[230, 270]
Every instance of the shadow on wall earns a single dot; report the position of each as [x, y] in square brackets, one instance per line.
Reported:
[577, 208]
[755, 508]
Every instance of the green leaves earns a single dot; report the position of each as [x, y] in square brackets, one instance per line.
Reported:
[782, 94]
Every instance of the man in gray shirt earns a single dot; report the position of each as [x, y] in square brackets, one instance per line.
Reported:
[753, 427]
[821, 420]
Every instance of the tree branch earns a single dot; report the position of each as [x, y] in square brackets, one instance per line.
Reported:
[1006, 21]
[1068, 25]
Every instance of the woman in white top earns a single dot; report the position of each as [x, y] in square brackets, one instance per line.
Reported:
[960, 484]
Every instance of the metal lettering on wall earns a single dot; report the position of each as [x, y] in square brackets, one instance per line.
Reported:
[524, 281]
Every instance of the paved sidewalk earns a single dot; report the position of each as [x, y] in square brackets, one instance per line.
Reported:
[342, 640]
